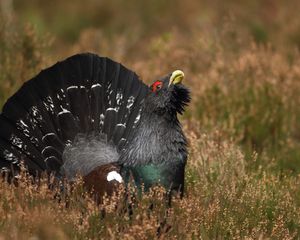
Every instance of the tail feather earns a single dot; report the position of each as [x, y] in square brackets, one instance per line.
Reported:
[53, 163]
[118, 133]
[133, 114]
[10, 155]
[51, 139]
[84, 94]
[110, 122]
[96, 106]
[69, 127]
[79, 106]
[25, 145]
[51, 151]
[30, 97]
[122, 99]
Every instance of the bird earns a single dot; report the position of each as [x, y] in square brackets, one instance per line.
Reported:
[92, 116]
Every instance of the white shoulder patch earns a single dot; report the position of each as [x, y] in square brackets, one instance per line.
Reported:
[113, 175]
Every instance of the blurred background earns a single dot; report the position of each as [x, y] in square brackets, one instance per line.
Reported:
[241, 61]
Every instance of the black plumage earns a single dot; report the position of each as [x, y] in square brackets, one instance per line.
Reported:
[88, 111]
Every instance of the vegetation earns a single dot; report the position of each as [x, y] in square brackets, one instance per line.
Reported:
[242, 64]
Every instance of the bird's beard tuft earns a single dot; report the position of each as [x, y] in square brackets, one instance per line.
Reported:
[180, 98]
[167, 102]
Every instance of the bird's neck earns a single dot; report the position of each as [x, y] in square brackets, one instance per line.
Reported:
[157, 139]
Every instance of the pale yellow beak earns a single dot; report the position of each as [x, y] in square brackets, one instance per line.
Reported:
[176, 77]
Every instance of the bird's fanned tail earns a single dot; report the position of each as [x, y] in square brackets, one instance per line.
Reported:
[83, 95]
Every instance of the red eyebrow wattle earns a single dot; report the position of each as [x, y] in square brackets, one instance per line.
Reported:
[154, 85]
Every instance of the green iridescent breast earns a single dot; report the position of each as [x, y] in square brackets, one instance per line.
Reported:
[170, 177]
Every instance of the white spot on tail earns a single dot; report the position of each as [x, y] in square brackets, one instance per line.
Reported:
[48, 134]
[24, 127]
[22, 122]
[16, 141]
[137, 119]
[101, 119]
[10, 156]
[119, 98]
[58, 97]
[35, 113]
[63, 111]
[112, 109]
[46, 148]
[96, 85]
[72, 87]
[130, 102]
[121, 125]
[48, 103]
[113, 175]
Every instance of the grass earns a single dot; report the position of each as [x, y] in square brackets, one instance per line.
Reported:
[241, 62]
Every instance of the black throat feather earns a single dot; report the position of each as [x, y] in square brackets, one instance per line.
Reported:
[158, 138]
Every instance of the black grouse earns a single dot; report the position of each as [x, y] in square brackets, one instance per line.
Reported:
[92, 116]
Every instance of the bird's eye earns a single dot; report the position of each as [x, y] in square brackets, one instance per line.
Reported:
[156, 86]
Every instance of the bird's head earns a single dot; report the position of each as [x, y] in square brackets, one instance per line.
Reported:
[167, 94]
